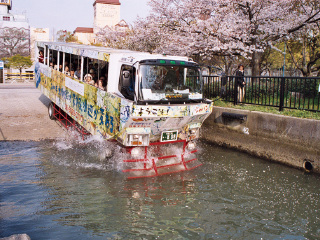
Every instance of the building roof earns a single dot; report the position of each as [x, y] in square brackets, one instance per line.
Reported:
[113, 2]
[122, 23]
[83, 30]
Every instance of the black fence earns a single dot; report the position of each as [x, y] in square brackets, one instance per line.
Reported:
[283, 92]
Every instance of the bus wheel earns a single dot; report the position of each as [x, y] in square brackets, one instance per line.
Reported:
[51, 111]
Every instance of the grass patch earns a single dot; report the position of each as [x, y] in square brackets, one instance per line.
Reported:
[274, 110]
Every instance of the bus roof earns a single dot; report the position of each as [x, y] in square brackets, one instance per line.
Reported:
[101, 52]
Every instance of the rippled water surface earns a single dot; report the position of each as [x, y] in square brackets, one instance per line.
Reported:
[62, 190]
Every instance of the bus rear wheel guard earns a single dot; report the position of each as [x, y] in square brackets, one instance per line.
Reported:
[51, 111]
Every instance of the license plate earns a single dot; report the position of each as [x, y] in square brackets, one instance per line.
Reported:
[169, 136]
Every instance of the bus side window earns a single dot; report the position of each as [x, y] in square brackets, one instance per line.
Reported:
[127, 81]
[59, 64]
[53, 59]
[103, 72]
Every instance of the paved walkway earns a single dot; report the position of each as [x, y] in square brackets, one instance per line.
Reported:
[24, 114]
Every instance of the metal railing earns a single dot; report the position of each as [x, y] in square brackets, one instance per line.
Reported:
[282, 92]
[15, 77]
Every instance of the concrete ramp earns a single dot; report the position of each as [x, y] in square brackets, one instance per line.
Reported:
[24, 114]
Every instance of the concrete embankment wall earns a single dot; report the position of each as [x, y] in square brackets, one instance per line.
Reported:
[288, 140]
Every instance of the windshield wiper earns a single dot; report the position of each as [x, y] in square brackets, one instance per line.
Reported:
[195, 100]
[153, 101]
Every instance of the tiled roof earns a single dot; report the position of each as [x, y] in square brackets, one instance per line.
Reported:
[122, 23]
[83, 30]
[113, 2]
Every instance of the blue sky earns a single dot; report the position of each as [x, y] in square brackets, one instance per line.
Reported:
[69, 14]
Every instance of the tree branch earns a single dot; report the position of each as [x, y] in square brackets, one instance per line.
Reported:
[294, 60]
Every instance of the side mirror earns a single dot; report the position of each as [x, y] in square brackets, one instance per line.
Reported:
[126, 79]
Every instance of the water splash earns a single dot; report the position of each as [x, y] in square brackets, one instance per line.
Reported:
[93, 152]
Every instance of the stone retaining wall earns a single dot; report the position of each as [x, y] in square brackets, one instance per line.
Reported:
[288, 140]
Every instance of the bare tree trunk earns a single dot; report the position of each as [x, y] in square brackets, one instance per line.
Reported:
[304, 63]
[256, 63]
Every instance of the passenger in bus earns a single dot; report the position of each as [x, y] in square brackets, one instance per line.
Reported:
[51, 65]
[72, 74]
[88, 79]
[101, 83]
[78, 73]
[93, 74]
[50, 58]
[66, 70]
[67, 64]
[41, 57]
[106, 79]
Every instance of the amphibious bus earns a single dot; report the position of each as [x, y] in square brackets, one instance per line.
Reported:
[150, 104]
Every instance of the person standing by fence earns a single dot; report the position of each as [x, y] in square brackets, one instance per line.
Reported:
[240, 83]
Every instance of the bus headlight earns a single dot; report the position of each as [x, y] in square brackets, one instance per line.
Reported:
[193, 133]
[137, 140]
[191, 146]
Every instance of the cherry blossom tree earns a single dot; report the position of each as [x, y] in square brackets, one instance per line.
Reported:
[304, 51]
[221, 27]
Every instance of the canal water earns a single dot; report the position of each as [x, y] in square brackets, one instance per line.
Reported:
[62, 190]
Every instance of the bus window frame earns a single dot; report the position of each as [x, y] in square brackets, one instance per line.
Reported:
[44, 54]
[81, 68]
[48, 57]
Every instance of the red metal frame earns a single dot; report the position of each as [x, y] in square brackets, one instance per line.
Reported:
[68, 122]
[155, 168]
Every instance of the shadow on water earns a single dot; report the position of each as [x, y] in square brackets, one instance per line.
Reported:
[232, 196]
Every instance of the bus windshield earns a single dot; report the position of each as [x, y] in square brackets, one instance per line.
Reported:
[167, 83]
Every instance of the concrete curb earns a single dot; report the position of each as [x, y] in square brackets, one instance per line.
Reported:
[288, 140]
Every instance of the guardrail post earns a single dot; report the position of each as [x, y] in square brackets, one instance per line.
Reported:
[282, 88]
[235, 91]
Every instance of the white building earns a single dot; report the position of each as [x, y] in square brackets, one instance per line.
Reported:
[11, 20]
[106, 13]
[106, 16]
[85, 35]
[38, 34]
